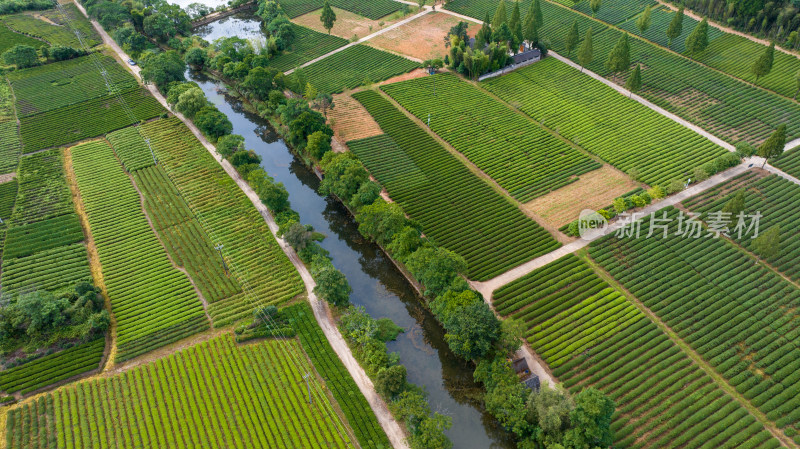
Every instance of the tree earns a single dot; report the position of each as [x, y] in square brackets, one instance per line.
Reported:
[21, 56]
[595, 6]
[735, 203]
[472, 330]
[380, 221]
[390, 381]
[484, 35]
[644, 20]
[586, 53]
[298, 235]
[62, 53]
[405, 243]
[259, 82]
[213, 123]
[590, 420]
[502, 34]
[332, 285]
[163, 68]
[344, 174]
[549, 409]
[536, 7]
[328, 17]
[675, 26]
[499, 15]
[768, 244]
[763, 65]
[634, 82]
[191, 101]
[319, 143]
[196, 57]
[435, 268]
[159, 27]
[697, 41]
[773, 146]
[227, 145]
[310, 92]
[531, 32]
[421, 4]
[367, 194]
[515, 25]
[572, 38]
[512, 331]
[430, 433]
[620, 57]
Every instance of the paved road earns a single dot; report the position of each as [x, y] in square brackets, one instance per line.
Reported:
[320, 308]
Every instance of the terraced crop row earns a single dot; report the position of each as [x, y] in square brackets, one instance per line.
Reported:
[522, 157]
[456, 209]
[738, 315]
[230, 219]
[9, 39]
[43, 191]
[356, 409]
[10, 146]
[131, 149]
[374, 9]
[8, 195]
[611, 11]
[29, 239]
[623, 132]
[308, 45]
[660, 19]
[182, 235]
[58, 34]
[154, 303]
[53, 269]
[777, 200]
[53, 368]
[90, 118]
[592, 335]
[212, 395]
[53, 86]
[354, 67]
[789, 162]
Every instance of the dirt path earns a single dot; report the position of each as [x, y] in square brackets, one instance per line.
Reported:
[728, 30]
[366, 38]
[325, 320]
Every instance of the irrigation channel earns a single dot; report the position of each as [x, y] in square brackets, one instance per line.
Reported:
[376, 282]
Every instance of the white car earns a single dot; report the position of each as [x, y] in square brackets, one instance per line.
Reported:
[131, 62]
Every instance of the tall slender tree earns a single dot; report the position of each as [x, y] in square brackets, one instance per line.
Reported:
[586, 52]
[328, 17]
[620, 57]
[675, 26]
[763, 65]
[697, 41]
[536, 8]
[634, 82]
[572, 38]
[773, 146]
[531, 31]
[595, 6]
[484, 35]
[515, 24]
[499, 15]
[516, 19]
[644, 20]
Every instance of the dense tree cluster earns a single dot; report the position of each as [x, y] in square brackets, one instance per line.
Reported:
[41, 319]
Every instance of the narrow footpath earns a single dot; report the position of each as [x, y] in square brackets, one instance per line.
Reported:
[320, 308]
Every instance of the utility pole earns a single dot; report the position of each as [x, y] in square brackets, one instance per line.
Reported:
[219, 250]
[308, 387]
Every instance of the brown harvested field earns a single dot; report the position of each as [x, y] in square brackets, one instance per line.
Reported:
[416, 73]
[594, 190]
[350, 121]
[422, 38]
[347, 23]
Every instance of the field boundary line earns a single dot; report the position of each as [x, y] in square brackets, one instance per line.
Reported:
[364, 39]
[692, 354]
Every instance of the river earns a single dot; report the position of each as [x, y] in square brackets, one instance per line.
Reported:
[376, 282]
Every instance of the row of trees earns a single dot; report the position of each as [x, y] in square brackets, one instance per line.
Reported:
[24, 56]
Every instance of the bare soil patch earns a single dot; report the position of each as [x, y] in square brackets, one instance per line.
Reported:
[422, 38]
[350, 120]
[416, 73]
[594, 190]
[347, 23]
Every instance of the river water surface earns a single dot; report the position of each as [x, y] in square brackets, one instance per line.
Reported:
[376, 282]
